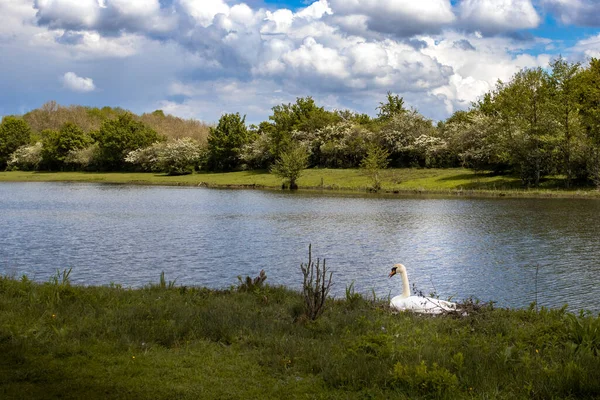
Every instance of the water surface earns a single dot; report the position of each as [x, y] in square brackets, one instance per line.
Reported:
[456, 247]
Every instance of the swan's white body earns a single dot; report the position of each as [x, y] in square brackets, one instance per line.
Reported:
[420, 304]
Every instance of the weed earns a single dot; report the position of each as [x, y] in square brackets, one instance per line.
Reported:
[436, 381]
[252, 285]
[60, 286]
[163, 284]
[351, 295]
[584, 333]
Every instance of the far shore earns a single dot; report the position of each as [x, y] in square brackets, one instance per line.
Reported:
[406, 181]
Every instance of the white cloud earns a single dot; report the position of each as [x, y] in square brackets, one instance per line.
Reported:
[400, 17]
[497, 16]
[314, 58]
[208, 101]
[477, 64]
[70, 14]
[588, 48]
[88, 44]
[578, 12]
[206, 57]
[204, 11]
[316, 10]
[76, 83]
[112, 16]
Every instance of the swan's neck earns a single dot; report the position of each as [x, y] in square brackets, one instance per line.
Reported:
[405, 285]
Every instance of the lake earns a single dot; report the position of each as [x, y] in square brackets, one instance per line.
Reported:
[491, 249]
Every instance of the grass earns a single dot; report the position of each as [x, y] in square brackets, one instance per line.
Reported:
[165, 341]
[453, 181]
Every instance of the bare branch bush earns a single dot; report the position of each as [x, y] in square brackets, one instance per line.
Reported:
[315, 286]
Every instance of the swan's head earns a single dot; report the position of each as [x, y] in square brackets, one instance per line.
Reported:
[397, 269]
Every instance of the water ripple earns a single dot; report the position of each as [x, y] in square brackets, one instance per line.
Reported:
[487, 248]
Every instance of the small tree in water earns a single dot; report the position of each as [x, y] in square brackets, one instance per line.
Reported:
[290, 165]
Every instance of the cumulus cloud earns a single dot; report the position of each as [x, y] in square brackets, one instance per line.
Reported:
[204, 11]
[476, 72]
[588, 48]
[578, 12]
[76, 83]
[106, 16]
[403, 18]
[68, 14]
[498, 16]
[206, 57]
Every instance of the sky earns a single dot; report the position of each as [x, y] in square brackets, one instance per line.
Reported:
[203, 58]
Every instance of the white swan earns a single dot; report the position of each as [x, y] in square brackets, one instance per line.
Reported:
[420, 304]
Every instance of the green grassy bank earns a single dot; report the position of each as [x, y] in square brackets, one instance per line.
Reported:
[166, 342]
[455, 181]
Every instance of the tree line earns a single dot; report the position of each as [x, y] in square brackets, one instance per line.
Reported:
[543, 122]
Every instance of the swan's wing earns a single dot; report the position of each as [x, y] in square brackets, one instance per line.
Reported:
[425, 305]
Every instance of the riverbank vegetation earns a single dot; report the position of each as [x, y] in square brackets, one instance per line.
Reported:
[167, 340]
[542, 124]
[401, 181]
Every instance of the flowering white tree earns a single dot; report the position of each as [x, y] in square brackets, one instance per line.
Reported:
[181, 156]
[26, 158]
[178, 157]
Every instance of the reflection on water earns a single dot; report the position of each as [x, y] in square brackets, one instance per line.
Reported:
[487, 248]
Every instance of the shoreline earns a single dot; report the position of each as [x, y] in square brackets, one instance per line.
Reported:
[338, 182]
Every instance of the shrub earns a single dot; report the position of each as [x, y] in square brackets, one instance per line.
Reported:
[26, 158]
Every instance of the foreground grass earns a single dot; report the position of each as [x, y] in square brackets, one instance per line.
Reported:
[162, 342]
[454, 181]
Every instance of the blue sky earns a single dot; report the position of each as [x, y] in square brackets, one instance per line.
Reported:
[202, 58]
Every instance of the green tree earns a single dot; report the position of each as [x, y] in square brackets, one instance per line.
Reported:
[303, 116]
[394, 105]
[475, 139]
[226, 141]
[290, 165]
[399, 135]
[524, 107]
[56, 145]
[14, 133]
[342, 145]
[589, 110]
[564, 95]
[117, 137]
[375, 160]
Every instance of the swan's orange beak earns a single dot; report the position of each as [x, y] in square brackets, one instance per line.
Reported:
[392, 273]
